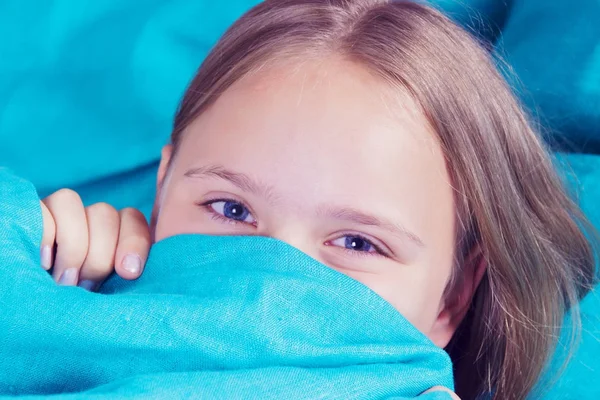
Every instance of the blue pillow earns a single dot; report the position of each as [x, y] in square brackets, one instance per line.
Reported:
[554, 48]
[88, 90]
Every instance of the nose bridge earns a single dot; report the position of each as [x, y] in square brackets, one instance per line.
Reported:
[296, 234]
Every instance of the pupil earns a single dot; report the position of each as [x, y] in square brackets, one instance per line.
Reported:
[235, 211]
[357, 243]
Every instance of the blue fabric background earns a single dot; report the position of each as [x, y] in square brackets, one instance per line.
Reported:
[88, 90]
[553, 46]
[211, 317]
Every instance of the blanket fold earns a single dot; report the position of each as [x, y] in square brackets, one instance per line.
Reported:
[211, 317]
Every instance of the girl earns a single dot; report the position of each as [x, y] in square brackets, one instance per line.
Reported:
[377, 137]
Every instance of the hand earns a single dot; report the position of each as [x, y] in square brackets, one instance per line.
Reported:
[84, 245]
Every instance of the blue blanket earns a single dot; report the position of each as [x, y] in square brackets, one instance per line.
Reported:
[212, 317]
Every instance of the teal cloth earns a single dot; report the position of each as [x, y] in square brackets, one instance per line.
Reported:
[579, 381]
[211, 317]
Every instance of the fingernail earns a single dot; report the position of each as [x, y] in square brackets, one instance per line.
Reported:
[132, 263]
[88, 285]
[46, 257]
[69, 277]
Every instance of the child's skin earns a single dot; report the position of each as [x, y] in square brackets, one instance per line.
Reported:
[93, 242]
[322, 156]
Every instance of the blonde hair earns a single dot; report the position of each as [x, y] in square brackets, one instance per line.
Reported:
[509, 199]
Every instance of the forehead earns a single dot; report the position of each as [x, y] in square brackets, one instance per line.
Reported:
[324, 129]
[318, 102]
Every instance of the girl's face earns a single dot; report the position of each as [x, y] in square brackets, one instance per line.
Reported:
[323, 157]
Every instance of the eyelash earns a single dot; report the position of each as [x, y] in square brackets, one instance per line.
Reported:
[218, 217]
[354, 253]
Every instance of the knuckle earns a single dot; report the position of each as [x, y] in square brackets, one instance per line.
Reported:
[66, 195]
[136, 242]
[132, 213]
[103, 210]
[73, 250]
[98, 267]
[97, 270]
[99, 262]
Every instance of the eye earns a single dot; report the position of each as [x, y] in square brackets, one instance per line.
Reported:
[356, 244]
[231, 210]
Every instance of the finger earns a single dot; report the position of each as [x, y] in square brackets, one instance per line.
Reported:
[71, 234]
[134, 244]
[48, 235]
[103, 231]
[453, 395]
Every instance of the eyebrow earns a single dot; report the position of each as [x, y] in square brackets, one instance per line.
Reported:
[247, 184]
[242, 181]
[353, 215]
